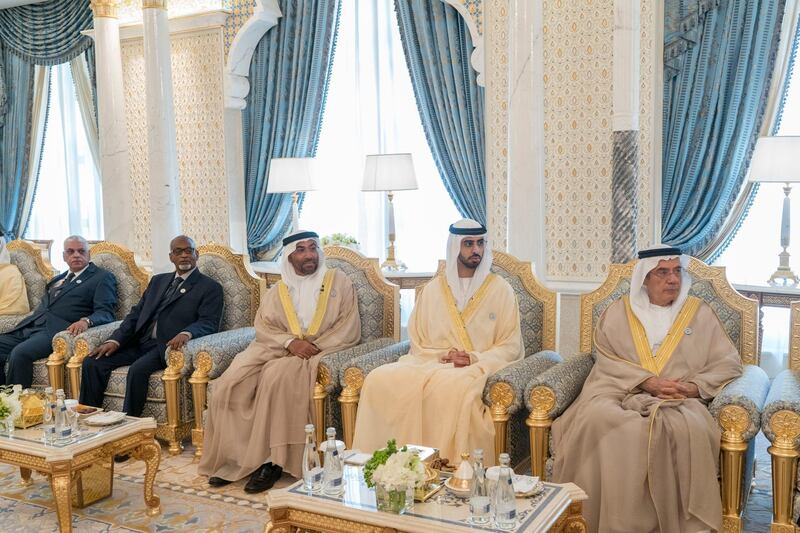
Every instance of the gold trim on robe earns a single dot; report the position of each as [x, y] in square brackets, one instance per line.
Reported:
[655, 363]
[460, 318]
[319, 313]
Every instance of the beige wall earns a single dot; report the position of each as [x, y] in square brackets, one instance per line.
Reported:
[197, 74]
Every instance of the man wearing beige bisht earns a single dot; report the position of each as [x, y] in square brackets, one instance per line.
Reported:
[639, 439]
[261, 403]
[464, 327]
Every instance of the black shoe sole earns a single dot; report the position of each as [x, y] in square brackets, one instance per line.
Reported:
[218, 482]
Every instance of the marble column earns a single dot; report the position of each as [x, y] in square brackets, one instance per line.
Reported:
[526, 186]
[162, 158]
[625, 125]
[114, 169]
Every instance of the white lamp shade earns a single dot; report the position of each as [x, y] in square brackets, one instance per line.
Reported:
[389, 172]
[291, 174]
[776, 159]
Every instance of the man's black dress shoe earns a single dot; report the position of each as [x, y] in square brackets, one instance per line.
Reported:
[121, 458]
[215, 481]
[263, 478]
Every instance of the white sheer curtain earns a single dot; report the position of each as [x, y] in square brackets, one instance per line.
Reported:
[68, 197]
[371, 108]
[753, 254]
[83, 94]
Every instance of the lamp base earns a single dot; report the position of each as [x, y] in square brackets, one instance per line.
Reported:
[393, 265]
[783, 277]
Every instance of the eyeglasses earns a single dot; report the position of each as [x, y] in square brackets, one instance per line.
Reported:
[663, 273]
[181, 251]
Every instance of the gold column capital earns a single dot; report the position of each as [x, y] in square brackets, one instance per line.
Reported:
[104, 8]
[154, 4]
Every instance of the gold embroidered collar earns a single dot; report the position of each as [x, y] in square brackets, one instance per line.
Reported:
[460, 319]
[655, 363]
[319, 313]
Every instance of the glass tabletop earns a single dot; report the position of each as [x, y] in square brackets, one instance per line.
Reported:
[35, 434]
[442, 507]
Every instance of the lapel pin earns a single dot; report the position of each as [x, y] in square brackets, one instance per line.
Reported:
[492, 316]
[688, 331]
[78, 281]
[183, 290]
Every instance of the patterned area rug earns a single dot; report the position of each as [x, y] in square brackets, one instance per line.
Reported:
[189, 505]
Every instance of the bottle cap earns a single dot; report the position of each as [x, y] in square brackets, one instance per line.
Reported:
[309, 428]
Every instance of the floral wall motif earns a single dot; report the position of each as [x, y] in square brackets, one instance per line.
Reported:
[241, 10]
[198, 98]
[496, 110]
[648, 149]
[578, 50]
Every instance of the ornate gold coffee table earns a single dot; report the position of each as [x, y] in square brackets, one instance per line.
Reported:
[81, 471]
[558, 508]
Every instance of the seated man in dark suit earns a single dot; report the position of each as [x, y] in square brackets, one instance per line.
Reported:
[84, 296]
[174, 308]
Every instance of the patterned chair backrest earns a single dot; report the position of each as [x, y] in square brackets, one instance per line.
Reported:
[737, 313]
[35, 270]
[241, 288]
[378, 300]
[794, 336]
[537, 304]
[131, 279]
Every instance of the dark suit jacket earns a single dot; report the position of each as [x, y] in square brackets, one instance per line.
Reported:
[196, 307]
[93, 295]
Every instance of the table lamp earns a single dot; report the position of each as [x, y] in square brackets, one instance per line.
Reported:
[390, 173]
[291, 174]
[775, 160]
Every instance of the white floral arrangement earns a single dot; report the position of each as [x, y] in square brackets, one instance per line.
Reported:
[400, 471]
[10, 406]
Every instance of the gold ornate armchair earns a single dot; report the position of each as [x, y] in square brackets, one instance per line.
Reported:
[379, 309]
[737, 409]
[36, 272]
[781, 424]
[69, 351]
[504, 389]
[208, 356]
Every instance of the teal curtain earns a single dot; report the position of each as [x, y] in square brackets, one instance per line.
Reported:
[289, 77]
[438, 46]
[15, 139]
[718, 60]
[47, 33]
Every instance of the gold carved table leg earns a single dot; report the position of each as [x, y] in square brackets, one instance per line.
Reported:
[25, 475]
[150, 453]
[61, 481]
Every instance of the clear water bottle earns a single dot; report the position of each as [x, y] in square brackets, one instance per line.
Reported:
[505, 505]
[479, 499]
[312, 472]
[48, 417]
[332, 482]
[63, 425]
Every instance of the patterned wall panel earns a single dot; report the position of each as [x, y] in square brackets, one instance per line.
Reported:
[496, 110]
[578, 53]
[198, 96]
[241, 10]
[197, 68]
[646, 122]
[135, 113]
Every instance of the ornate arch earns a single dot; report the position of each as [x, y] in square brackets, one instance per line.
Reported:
[266, 14]
[472, 13]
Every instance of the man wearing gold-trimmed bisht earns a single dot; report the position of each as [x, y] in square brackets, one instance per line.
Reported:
[261, 403]
[639, 439]
[464, 327]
